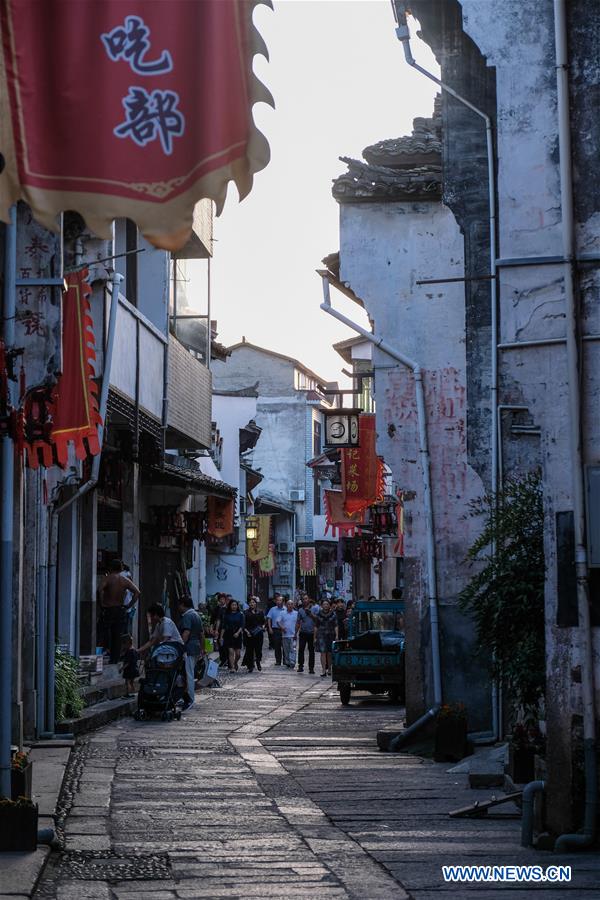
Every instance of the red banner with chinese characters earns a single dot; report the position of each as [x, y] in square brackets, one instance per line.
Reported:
[220, 516]
[307, 560]
[73, 405]
[361, 469]
[338, 519]
[128, 110]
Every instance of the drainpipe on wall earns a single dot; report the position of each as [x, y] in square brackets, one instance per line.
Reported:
[427, 499]
[403, 35]
[7, 487]
[585, 839]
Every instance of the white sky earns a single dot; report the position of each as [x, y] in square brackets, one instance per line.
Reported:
[340, 83]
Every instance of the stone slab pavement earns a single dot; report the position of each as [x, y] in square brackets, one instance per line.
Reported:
[269, 787]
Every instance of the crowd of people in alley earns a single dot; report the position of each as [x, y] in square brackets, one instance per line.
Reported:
[296, 630]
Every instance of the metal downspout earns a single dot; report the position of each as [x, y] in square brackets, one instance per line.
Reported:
[7, 476]
[529, 792]
[403, 35]
[427, 494]
[585, 839]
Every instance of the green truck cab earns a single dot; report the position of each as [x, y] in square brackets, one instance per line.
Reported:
[372, 657]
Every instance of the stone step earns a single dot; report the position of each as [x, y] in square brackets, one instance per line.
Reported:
[110, 689]
[97, 715]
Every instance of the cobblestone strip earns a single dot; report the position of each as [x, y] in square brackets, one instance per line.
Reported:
[359, 874]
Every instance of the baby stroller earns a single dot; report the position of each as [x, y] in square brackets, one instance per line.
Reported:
[163, 686]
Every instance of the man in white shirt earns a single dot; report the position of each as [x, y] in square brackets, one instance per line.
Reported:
[275, 634]
[287, 623]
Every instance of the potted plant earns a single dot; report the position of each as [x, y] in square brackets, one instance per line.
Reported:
[526, 741]
[20, 776]
[18, 824]
[451, 743]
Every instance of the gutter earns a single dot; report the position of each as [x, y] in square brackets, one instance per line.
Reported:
[427, 493]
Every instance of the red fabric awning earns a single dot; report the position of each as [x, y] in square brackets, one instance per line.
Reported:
[128, 110]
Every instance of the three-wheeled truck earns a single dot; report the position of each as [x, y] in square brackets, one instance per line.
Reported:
[372, 657]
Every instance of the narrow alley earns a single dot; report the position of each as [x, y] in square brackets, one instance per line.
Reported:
[271, 787]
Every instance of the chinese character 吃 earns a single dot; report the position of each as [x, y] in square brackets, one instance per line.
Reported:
[130, 42]
[151, 115]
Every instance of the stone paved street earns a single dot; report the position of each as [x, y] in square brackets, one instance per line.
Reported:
[270, 787]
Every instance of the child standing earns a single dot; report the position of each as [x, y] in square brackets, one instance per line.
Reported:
[129, 658]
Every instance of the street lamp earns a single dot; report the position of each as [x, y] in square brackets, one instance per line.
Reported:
[251, 528]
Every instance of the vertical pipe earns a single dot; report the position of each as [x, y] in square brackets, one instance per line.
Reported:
[51, 621]
[575, 434]
[208, 313]
[40, 675]
[7, 477]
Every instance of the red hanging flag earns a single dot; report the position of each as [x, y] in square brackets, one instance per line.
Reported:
[338, 519]
[307, 560]
[128, 110]
[361, 469]
[73, 406]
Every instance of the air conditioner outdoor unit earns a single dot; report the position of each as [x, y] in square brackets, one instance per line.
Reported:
[284, 547]
[297, 496]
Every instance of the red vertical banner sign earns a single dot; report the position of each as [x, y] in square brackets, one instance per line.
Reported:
[220, 516]
[146, 109]
[307, 560]
[399, 545]
[361, 477]
[73, 407]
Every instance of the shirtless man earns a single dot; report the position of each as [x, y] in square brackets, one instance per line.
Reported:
[111, 595]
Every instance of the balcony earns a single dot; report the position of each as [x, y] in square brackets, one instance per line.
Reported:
[189, 400]
[138, 359]
[200, 244]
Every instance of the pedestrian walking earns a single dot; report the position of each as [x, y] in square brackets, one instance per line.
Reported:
[287, 623]
[192, 633]
[340, 612]
[231, 635]
[254, 629]
[129, 658]
[305, 632]
[326, 622]
[216, 621]
[275, 633]
[111, 594]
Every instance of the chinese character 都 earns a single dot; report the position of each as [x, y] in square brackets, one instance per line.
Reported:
[130, 42]
[149, 116]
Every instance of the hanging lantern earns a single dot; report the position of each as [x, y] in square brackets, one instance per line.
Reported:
[251, 528]
[341, 428]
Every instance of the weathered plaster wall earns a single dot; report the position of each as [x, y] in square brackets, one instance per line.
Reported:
[517, 43]
[385, 248]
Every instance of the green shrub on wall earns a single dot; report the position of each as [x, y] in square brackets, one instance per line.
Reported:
[506, 596]
[68, 702]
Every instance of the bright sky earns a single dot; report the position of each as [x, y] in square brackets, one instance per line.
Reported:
[340, 83]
